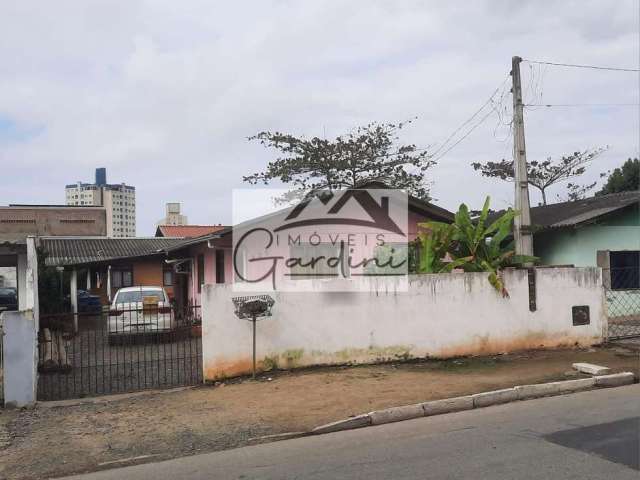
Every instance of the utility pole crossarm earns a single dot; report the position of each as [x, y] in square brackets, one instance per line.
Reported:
[522, 222]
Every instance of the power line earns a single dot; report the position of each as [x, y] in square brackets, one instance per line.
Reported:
[464, 136]
[436, 155]
[582, 105]
[595, 67]
[466, 122]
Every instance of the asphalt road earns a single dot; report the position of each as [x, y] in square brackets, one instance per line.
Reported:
[589, 435]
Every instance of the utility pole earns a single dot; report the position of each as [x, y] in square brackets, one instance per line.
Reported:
[522, 223]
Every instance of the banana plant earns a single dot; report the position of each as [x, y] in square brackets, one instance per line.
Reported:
[470, 245]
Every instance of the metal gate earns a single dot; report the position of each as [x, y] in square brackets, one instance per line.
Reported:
[110, 352]
[622, 302]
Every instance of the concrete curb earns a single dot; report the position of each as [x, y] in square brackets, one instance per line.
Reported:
[478, 400]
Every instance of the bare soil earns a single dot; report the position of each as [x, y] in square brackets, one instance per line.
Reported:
[60, 439]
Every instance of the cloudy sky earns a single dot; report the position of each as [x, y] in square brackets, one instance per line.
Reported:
[164, 93]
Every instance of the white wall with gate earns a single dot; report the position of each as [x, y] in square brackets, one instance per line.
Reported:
[439, 316]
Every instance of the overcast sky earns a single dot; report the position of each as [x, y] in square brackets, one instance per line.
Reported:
[164, 93]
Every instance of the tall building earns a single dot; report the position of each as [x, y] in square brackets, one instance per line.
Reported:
[119, 201]
[174, 217]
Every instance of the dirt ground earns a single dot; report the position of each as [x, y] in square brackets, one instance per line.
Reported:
[49, 441]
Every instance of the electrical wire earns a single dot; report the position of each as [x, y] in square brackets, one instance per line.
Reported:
[464, 136]
[466, 122]
[573, 65]
[581, 105]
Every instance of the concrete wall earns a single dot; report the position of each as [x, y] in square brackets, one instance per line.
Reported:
[578, 246]
[20, 358]
[20, 221]
[441, 315]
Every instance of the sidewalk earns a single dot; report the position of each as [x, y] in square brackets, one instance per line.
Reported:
[54, 441]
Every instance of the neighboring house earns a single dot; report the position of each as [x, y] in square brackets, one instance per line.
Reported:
[17, 222]
[186, 231]
[579, 233]
[208, 259]
[601, 231]
[103, 265]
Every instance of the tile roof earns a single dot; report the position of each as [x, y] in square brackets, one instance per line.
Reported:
[83, 250]
[567, 214]
[186, 231]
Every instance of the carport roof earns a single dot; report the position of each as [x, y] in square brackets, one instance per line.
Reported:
[62, 251]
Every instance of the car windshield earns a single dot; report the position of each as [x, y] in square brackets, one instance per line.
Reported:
[138, 295]
[7, 292]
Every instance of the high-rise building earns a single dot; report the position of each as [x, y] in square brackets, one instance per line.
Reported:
[119, 201]
[174, 217]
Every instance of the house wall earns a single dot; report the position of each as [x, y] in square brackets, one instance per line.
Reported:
[442, 315]
[578, 246]
[149, 272]
[146, 272]
[209, 267]
[21, 221]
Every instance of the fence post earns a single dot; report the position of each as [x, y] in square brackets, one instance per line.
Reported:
[20, 358]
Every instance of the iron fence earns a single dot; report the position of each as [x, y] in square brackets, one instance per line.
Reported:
[117, 351]
[1, 364]
[622, 293]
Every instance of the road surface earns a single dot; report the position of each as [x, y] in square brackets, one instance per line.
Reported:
[589, 435]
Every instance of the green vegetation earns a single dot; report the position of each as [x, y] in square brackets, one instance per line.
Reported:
[623, 179]
[471, 245]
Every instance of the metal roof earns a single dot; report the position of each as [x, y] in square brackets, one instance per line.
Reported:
[568, 214]
[82, 250]
[571, 214]
[186, 231]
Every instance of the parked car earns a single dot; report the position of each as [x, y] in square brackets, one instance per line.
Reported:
[140, 311]
[87, 303]
[8, 298]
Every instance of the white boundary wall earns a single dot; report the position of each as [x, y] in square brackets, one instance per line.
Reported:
[20, 340]
[439, 316]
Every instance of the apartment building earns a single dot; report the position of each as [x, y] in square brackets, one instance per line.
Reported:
[119, 201]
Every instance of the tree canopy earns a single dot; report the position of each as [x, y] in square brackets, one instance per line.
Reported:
[623, 179]
[543, 174]
[370, 153]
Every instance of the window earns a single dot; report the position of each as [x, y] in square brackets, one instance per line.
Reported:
[219, 266]
[625, 269]
[200, 272]
[139, 295]
[122, 278]
[318, 255]
[167, 277]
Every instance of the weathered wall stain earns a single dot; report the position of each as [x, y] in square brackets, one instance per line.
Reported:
[480, 345]
[440, 315]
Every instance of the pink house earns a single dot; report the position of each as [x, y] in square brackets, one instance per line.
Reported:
[208, 259]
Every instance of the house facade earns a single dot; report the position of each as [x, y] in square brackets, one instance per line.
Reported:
[18, 222]
[601, 231]
[208, 259]
[103, 265]
[572, 233]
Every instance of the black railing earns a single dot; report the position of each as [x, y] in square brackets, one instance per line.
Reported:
[118, 350]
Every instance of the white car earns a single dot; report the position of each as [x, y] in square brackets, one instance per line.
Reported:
[139, 311]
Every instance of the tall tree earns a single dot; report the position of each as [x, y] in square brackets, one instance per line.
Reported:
[370, 153]
[543, 174]
[623, 179]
